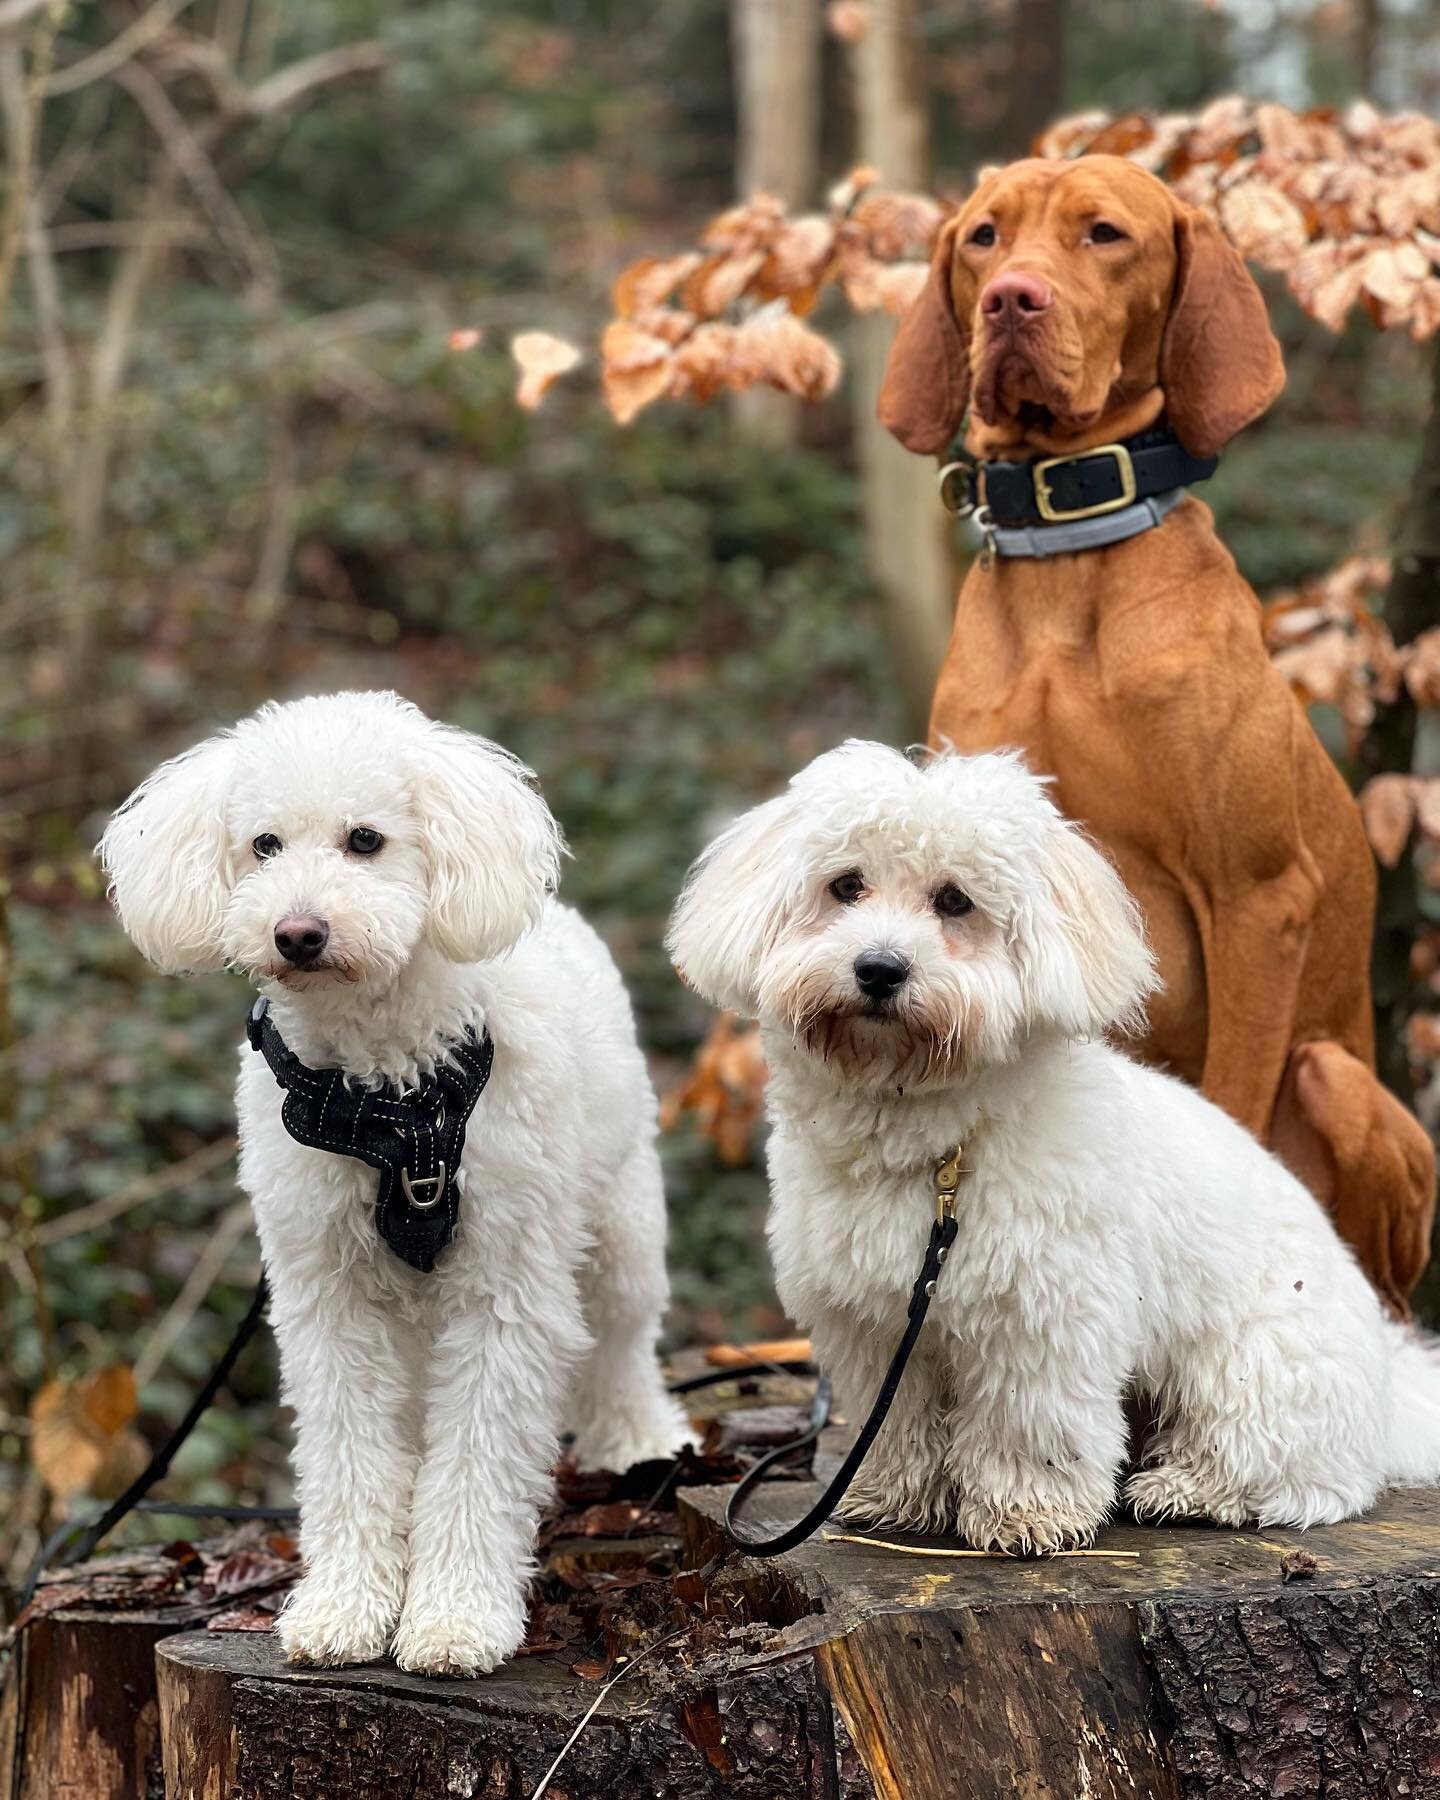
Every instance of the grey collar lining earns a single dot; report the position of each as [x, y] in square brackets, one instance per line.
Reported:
[1086, 534]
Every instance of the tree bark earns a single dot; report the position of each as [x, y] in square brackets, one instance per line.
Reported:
[1411, 606]
[1037, 72]
[907, 531]
[777, 146]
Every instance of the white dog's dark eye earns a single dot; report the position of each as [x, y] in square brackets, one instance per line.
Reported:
[953, 903]
[267, 844]
[363, 841]
[983, 236]
[1103, 232]
[848, 888]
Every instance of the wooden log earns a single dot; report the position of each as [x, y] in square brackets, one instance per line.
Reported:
[238, 1722]
[1198, 1663]
[78, 1716]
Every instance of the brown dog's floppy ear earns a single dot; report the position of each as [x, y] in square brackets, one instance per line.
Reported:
[1220, 366]
[927, 377]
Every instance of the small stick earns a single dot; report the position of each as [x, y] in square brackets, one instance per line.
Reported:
[845, 1537]
[590, 1711]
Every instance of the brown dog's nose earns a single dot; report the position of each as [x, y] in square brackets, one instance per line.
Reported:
[301, 937]
[1014, 296]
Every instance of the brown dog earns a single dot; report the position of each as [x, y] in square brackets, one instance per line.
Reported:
[1072, 305]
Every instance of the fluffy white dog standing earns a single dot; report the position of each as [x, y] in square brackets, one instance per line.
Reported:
[387, 882]
[934, 954]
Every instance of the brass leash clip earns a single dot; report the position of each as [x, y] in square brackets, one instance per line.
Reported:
[947, 1183]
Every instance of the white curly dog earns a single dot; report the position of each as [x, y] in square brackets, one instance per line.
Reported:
[934, 955]
[387, 882]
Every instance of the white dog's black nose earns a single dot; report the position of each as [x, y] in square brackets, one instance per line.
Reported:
[880, 973]
[301, 937]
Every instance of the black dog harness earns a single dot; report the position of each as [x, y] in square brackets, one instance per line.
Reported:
[414, 1138]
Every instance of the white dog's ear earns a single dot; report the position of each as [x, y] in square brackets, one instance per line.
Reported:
[734, 906]
[492, 843]
[167, 854]
[1087, 967]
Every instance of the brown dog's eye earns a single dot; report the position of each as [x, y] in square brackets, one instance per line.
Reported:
[1102, 232]
[953, 903]
[983, 236]
[847, 889]
[266, 846]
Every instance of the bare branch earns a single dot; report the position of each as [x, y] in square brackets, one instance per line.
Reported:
[288, 87]
[164, 1181]
[189, 156]
[119, 50]
[234, 1222]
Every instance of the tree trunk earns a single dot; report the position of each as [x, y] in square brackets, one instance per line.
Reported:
[777, 145]
[1411, 606]
[907, 531]
[1037, 71]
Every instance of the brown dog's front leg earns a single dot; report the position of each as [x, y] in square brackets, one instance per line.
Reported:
[1254, 938]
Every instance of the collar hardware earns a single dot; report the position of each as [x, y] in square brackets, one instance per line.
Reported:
[949, 1173]
[1065, 515]
[413, 1138]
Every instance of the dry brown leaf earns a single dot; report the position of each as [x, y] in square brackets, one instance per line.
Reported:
[635, 369]
[648, 284]
[725, 1089]
[872, 286]
[848, 20]
[720, 281]
[896, 225]
[703, 363]
[783, 351]
[81, 1441]
[1422, 668]
[1427, 805]
[1387, 805]
[1264, 225]
[541, 359]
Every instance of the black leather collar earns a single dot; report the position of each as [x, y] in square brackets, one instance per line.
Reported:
[413, 1138]
[1059, 490]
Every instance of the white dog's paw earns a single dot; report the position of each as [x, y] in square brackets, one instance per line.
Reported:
[910, 1499]
[1175, 1490]
[458, 1643]
[1025, 1527]
[328, 1622]
[623, 1437]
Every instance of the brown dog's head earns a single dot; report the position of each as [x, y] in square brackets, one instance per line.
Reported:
[1069, 303]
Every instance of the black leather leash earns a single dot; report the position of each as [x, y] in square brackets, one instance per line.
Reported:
[158, 1466]
[942, 1236]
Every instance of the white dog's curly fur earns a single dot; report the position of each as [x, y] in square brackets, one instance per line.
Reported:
[1118, 1233]
[428, 1407]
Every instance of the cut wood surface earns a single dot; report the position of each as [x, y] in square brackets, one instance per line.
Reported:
[1214, 1663]
[1187, 1662]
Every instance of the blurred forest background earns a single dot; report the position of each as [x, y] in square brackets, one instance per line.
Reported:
[260, 266]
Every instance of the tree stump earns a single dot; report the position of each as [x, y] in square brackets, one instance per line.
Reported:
[1185, 1662]
[1198, 1664]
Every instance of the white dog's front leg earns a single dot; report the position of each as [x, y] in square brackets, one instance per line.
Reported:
[1036, 1436]
[499, 1370]
[903, 1480]
[345, 1371]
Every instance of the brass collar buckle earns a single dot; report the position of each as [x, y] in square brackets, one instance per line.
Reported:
[1057, 515]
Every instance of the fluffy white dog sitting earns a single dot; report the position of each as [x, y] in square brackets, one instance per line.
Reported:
[934, 954]
[387, 882]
